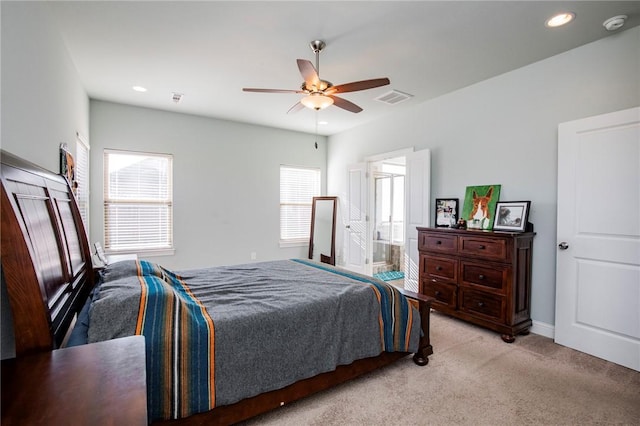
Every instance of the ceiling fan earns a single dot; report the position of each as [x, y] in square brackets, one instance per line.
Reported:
[321, 93]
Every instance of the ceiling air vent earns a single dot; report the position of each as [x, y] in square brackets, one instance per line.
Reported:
[177, 97]
[394, 97]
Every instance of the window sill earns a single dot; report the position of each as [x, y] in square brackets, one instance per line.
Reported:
[296, 243]
[142, 253]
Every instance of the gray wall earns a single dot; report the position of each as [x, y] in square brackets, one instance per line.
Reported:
[43, 102]
[504, 131]
[226, 178]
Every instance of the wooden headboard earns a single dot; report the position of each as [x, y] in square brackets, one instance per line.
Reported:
[46, 258]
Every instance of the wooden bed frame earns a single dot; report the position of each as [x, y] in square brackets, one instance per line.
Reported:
[46, 266]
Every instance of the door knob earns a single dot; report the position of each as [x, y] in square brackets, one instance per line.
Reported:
[563, 245]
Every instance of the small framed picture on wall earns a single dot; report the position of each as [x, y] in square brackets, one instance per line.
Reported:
[511, 216]
[446, 212]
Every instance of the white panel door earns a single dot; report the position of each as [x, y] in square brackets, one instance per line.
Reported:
[417, 211]
[598, 237]
[355, 236]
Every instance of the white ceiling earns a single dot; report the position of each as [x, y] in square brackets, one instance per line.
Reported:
[210, 50]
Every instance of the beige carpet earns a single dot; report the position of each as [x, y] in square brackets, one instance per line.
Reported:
[474, 378]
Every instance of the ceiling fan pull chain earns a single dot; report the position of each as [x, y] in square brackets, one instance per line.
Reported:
[316, 118]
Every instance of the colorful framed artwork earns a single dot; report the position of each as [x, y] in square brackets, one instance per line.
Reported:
[480, 206]
[446, 212]
[511, 216]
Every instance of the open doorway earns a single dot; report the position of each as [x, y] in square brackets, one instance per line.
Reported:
[411, 210]
[388, 212]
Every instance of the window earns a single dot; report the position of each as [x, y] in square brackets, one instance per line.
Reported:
[82, 179]
[138, 201]
[298, 186]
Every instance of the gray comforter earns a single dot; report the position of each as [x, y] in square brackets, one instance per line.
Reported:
[275, 322]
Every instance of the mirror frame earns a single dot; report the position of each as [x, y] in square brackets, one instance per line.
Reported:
[323, 258]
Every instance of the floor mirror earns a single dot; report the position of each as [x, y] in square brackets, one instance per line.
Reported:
[322, 244]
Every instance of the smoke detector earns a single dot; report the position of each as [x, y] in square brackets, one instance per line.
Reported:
[614, 23]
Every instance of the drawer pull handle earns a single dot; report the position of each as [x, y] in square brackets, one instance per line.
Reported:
[438, 242]
[480, 304]
[481, 277]
[438, 268]
[434, 280]
[481, 247]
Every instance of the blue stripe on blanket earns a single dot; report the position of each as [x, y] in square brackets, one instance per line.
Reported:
[396, 313]
[179, 338]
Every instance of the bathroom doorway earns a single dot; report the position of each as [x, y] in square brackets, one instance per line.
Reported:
[388, 239]
[411, 210]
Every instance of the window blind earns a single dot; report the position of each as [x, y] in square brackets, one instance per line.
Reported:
[82, 179]
[138, 201]
[298, 186]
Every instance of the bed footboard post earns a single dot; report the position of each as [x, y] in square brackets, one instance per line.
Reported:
[424, 349]
[424, 307]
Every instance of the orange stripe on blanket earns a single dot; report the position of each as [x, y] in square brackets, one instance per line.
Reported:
[407, 336]
[210, 344]
[143, 300]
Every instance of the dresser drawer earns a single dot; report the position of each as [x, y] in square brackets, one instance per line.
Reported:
[479, 303]
[492, 276]
[438, 242]
[444, 293]
[493, 249]
[440, 267]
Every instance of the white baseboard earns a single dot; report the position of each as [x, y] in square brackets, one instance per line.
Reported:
[543, 329]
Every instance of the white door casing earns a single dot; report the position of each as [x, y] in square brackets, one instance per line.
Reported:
[598, 237]
[356, 229]
[417, 211]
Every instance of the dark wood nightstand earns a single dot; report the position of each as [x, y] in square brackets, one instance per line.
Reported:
[101, 383]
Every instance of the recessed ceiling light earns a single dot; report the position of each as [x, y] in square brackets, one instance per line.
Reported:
[323, 123]
[560, 19]
[139, 89]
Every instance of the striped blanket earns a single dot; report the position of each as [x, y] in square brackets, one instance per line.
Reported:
[180, 344]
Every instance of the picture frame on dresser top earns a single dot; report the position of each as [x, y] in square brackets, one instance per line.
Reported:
[446, 212]
[479, 206]
[511, 216]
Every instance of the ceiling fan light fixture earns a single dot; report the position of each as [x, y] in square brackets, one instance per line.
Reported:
[316, 101]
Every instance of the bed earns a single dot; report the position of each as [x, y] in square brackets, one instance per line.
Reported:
[224, 343]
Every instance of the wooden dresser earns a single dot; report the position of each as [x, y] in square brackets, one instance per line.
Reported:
[482, 277]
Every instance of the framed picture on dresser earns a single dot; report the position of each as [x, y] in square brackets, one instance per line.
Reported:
[446, 212]
[511, 216]
[480, 206]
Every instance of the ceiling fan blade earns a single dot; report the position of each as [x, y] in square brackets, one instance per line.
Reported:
[309, 73]
[358, 85]
[345, 104]
[249, 89]
[297, 107]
